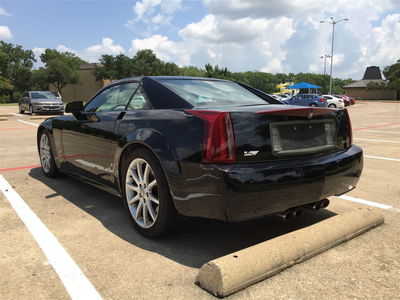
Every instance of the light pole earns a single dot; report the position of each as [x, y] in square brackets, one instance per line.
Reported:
[325, 57]
[333, 22]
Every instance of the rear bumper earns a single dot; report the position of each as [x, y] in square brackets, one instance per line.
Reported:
[247, 191]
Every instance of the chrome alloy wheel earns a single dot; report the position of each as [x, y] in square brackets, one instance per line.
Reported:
[142, 193]
[45, 154]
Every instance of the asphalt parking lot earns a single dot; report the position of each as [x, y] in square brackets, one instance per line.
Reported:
[120, 264]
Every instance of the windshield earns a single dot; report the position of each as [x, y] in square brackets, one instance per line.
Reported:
[202, 93]
[42, 95]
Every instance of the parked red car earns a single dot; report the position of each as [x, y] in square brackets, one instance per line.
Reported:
[347, 100]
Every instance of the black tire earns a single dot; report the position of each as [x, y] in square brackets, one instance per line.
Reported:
[50, 170]
[167, 216]
[332, 105]
[31, 110]
[313, 105]
[20, 110]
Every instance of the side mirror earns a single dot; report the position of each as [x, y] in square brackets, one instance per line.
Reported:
[75, 106]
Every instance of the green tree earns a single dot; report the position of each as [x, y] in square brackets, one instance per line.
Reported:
[15, 69]
[392, 73]
[216, 72]
[106, 69]
[39, 80]
[145, 62]
[61, 68]
[5, 87]
[192, 71]
[169, 69]
[123, 67]
[114, 67]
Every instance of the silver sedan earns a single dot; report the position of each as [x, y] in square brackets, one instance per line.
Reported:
[40, 102]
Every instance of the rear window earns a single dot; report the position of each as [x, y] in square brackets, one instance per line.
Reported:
[205, 93]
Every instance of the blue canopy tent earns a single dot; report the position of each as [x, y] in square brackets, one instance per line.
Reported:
[304, 85]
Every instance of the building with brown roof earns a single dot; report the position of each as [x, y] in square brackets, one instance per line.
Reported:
[360, 89]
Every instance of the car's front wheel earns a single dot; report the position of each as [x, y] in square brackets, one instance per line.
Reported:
[47, 162]
[31, 110]
[146, 194]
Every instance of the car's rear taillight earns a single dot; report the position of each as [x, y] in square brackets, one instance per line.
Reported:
[219, 141]
[340, 100]
[350, 130]
[322, 99]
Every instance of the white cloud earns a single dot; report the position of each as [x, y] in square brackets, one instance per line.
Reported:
[90, 54]
[141, 8]
[242, 44]
[107, 46]
[164, 48]
[37, 52]
[261, 8]
[383, 42]
[153, 14]
[5, 33]
[62, 48]
[219, 30]
[3, 12]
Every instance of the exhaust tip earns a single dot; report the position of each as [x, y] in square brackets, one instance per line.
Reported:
[297, 211]
[325, 203]
[287, 214]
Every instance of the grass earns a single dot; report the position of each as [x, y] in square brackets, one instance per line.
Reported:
[8, 104]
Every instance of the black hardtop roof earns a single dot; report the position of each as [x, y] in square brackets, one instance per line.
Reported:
[158, 78]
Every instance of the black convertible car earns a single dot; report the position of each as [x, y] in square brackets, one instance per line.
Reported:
[203, 147]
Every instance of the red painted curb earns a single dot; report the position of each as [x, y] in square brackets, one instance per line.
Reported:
[17, 128]
[383, 125]
[20, 168]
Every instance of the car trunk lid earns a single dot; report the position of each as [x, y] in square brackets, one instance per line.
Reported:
[289, 133]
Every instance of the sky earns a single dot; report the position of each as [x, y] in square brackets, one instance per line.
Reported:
[242, 35]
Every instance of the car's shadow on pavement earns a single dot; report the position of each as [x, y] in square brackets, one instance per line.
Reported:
[195, 243]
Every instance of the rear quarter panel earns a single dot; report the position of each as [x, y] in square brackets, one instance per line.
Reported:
[172, 135]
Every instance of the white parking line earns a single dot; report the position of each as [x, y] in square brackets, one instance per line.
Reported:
[382, 131]
[380, 141]
[75, 282]
[29, 123]
[383, 158]
[370, 203]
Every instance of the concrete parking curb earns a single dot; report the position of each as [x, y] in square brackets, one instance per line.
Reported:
[233, 272]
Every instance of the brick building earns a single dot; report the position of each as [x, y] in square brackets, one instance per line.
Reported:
[359, 90]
